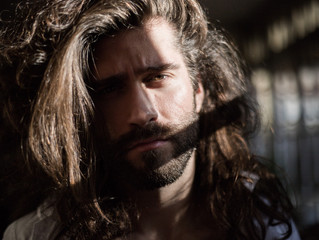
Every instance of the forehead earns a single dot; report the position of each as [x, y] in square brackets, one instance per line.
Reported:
[151, 29]
[151, 44]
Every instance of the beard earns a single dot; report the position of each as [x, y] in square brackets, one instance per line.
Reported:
[158, 167]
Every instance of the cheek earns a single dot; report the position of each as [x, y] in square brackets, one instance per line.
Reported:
[109, 119]
[176, 103]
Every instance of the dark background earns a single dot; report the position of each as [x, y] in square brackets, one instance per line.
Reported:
[279, 39]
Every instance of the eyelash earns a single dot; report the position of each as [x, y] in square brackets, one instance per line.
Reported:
[109, 88]
[117, 85]
[156, 77]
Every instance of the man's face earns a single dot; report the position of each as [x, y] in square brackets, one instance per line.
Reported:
[146, 105]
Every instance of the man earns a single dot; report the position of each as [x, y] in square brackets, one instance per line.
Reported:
[136, 118]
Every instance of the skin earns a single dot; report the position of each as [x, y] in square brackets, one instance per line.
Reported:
[141, 77]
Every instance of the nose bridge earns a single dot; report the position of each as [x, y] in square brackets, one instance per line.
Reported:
[142, 108]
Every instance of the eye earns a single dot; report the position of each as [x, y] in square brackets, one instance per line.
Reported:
[109, 88]
[156, 78]
[159, 77]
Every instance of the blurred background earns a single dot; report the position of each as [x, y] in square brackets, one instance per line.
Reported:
[279, 39]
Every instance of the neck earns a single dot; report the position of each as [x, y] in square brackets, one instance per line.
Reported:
[164, 210]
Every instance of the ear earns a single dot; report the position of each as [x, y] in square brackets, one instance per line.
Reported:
[199, 96]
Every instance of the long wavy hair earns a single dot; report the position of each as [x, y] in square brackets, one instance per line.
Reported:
[45, 69]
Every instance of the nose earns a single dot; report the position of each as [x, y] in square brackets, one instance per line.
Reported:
[142, 110]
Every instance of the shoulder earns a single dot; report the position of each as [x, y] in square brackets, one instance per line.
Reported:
[279, 230]
[39, 224]
[273, 231]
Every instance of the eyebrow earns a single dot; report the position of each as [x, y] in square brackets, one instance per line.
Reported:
[163, 67]
[150, 69]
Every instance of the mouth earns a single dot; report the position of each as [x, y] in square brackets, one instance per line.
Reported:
[147, 144]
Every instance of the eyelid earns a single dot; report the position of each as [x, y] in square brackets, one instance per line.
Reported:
[155, 76]
[100, 83]
[108, 87]
[162, 74]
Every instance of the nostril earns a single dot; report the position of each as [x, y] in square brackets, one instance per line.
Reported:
[141, 116]
[142, 109]
[153, 116]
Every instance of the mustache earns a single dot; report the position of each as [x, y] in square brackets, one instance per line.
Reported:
[151, 130]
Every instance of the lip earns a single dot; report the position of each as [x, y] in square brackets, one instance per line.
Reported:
[147, 145]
